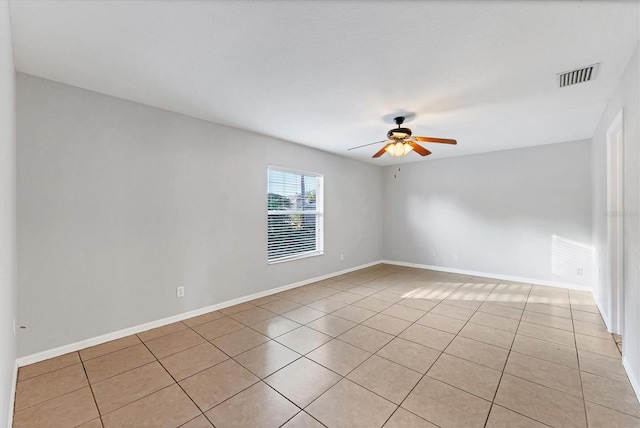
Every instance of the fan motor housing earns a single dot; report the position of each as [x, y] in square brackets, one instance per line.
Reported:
[399, 133]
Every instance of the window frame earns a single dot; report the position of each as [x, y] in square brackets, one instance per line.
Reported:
[318, 213]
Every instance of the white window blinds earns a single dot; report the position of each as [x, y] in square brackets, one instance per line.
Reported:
[294, 214]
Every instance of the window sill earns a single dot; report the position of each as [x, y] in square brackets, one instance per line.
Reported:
[296, 257]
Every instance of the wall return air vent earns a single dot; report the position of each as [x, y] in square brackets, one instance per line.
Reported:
[579, 75]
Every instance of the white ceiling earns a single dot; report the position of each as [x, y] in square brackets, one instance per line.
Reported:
[332, 74]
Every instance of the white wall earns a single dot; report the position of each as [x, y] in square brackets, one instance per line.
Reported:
[522, 213]
[626, 97]
[119, 203]
[7, 216]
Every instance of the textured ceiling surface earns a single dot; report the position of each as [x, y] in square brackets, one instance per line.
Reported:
[332, 74]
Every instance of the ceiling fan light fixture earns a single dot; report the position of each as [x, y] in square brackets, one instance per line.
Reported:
[398, 149]
[400, 142]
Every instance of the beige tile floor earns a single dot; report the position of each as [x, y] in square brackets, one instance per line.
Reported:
[383, 346]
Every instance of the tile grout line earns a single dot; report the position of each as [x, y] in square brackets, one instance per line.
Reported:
[360, 364]
[469, 321]
[578, 369]
[430, 366]
[506, 361]
[193, 419]
[172, 377]
[93, 395]
[456, 335]
[107, 353]
[397, 336]
[202, 412]
[301, 411]
[261, 379]
[575, 341]
[57, 396]
[54, 370]
[151, 362]
[145, 396]
[443, 351]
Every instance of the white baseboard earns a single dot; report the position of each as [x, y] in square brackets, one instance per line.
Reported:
[605, 316]
[491, 275]
[633, 379]
[12, 396]
[72, 347]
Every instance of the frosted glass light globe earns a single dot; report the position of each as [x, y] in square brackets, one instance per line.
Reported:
[398, 149]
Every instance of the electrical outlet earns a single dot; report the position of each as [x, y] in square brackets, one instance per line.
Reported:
[435, 253]
[455, 257]
[580, 272]
[341, 256]
[180, 292]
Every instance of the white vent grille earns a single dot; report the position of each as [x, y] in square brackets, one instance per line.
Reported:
[578, 75]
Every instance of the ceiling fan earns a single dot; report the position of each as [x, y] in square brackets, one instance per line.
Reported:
[400, 142]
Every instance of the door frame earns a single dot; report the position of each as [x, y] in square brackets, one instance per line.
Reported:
[615, 223]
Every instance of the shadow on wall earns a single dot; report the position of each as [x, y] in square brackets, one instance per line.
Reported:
[570, 258]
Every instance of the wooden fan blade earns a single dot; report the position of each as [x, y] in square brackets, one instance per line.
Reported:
[370, 144]
[436, 140]
[419, 149]
[381, 152]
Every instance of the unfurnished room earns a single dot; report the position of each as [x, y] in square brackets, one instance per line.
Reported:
[329, 213]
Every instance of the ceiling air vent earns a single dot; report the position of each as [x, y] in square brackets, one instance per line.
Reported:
[579, 75]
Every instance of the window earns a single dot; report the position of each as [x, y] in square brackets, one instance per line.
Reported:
[294, 215]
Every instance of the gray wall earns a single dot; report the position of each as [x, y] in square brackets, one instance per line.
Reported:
[119, 203]
[498, 212]
[625, 97]
[7, 215]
